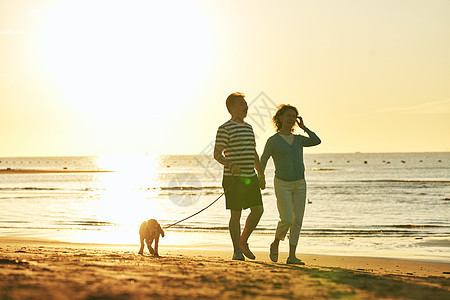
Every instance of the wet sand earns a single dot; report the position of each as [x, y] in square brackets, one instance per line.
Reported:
[37, 269]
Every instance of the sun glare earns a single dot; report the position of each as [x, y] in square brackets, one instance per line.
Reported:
[109, 57]
[126, 195]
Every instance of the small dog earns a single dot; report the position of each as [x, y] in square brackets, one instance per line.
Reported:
[150, 231]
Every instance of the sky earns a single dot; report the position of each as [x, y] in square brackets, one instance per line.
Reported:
[114, 77]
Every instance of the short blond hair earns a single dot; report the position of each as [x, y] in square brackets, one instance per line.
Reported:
[231, 99]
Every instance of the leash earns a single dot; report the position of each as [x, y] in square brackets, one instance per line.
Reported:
[195, 213]
[234, 181]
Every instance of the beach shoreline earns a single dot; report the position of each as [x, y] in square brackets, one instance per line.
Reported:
[219, 240]
[58, 270]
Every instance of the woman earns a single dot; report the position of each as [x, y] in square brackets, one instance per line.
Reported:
[286, 150]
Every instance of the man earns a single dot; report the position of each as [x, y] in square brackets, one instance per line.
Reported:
[235, 148]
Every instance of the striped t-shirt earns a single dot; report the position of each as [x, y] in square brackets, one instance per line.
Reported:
[239, 142]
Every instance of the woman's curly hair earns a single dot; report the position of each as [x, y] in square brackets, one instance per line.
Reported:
[281, 110]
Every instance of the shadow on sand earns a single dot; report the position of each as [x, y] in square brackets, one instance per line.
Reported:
[383, 286]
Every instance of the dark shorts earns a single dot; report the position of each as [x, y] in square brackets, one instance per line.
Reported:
[241, 192]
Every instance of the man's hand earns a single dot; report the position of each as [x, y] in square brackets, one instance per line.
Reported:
[218, 155]
[262, 182]
[235, 170]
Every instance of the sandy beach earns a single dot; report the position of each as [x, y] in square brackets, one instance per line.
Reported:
[38, 269]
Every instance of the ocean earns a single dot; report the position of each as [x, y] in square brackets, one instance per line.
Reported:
[365, 204]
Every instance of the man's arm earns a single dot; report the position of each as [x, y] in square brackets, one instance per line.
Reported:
[258, 165]
[218, 150]
[259, 169]
[218, 155]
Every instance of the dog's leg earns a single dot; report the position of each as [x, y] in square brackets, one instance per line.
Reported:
[149, 245]
[141, 251]
[156, 246]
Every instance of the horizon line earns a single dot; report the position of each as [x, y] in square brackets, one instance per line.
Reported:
[190, 154]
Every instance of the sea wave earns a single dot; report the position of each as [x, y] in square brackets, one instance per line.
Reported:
[405, 181]
[356, 232]
[186, 188]
[412, 226]
[30, 188]
[415, 231]
[9, 189]
[49, 171]
[86, 223]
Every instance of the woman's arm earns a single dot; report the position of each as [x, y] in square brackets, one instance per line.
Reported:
[312, 139]
[267, 153]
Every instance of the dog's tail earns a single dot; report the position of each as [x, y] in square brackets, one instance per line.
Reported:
[161, 231]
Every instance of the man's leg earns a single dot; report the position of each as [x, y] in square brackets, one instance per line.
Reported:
[235, 228]
[251, 223]
[252, 220]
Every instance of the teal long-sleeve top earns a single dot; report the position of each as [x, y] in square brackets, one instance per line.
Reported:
[288, 159]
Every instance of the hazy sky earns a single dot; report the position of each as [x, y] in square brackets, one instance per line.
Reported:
[97, 77]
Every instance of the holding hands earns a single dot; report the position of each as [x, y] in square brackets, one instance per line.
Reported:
[262, 181]
[236, 170]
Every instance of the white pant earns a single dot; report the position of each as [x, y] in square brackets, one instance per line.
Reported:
[291, 201]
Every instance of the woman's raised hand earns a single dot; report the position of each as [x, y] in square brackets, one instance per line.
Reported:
[300, 122]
